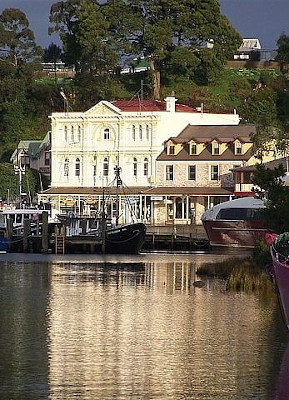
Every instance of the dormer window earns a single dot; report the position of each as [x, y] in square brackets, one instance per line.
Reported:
[238, 148]
[215, 148]
[172, 149]
[193, 148]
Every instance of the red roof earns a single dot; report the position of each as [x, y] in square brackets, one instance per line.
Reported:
[148, 105]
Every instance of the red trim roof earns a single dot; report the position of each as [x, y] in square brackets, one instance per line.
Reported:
[148, 105]
[244, 194]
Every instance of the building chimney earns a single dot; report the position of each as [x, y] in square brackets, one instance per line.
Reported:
[171, 103]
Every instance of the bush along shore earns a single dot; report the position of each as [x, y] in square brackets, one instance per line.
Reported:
[250, 274]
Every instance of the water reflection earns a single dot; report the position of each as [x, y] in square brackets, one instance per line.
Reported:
[133, 329]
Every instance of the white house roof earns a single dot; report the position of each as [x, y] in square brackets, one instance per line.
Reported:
[250, 44]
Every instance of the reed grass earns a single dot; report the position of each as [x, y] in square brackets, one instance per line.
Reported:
[240, 274]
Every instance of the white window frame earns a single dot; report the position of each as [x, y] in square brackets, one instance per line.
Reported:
[77, 167]
[215, 149]
[212, 173]
[238, 148]
[193, 146]
[106, 134]
[105, 166]
[171, 150]
[66, 167]
[169, 172]
[147, 132]
[195, 172]
[134, 166]
[146, 167]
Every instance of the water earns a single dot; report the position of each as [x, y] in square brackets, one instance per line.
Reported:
[93, 327]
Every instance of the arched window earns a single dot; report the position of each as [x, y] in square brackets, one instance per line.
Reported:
[145, 167]
[105, 167]
[147, 132]
[65, 133]
[106, 134]
[140, 132]
[135, 167]
[66, 167]
[79, 133]
[72, 134]
[133, 132]
[77, 167]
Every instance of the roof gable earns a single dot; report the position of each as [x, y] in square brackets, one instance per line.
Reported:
[103, 108]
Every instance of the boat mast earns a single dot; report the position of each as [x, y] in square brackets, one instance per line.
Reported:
[103, 223]
[118, 185]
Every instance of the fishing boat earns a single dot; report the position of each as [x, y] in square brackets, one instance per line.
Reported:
[104, 234]
[235, 223]
[279, 249]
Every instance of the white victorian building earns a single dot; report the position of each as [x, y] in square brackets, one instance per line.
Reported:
[87, 146]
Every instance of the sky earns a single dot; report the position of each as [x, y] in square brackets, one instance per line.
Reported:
[262, 19]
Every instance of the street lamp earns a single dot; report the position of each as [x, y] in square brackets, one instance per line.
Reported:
[19, 170]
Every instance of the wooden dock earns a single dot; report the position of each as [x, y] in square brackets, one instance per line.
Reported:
[162, 238]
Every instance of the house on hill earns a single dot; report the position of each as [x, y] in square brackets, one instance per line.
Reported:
[249, 49]
[34, 154]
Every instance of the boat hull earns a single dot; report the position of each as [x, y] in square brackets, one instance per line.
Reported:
[237, 233]
[125, 239]
[281, 274]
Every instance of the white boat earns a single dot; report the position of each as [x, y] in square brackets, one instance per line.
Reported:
[235, 223]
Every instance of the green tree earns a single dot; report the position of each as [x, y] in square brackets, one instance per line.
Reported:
[52, 54]
[168, 25]
[8, 187]
[17, 41]
[96, 35]
[283, 48]
[276, 194]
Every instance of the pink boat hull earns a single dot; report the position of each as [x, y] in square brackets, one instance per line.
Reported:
[281, 272]
[234, 233]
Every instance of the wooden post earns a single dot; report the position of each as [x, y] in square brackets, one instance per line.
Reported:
[103, 224]
[83, 226]
[9, 222]
[44, 237]
[26, 234]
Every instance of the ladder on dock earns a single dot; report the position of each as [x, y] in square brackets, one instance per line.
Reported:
[59, 244]
[59, 235]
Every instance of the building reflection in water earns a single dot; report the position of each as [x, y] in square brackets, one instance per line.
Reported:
[23, 331]
[143, 330]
